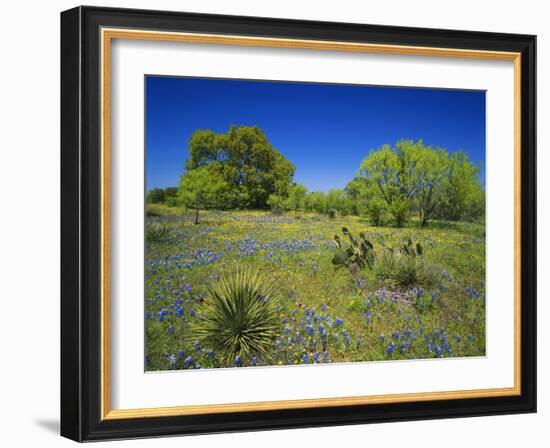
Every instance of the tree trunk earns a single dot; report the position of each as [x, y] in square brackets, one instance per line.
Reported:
[196, 216]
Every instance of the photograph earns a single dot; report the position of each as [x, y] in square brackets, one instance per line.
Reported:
[303, 223]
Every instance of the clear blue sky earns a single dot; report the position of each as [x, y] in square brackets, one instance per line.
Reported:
[325, 130]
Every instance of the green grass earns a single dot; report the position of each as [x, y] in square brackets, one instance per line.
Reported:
[325, 313]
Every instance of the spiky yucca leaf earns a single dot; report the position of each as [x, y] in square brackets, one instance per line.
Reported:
[157, 232]
[238, 318]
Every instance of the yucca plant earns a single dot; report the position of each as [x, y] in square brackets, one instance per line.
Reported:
[404, 267]
[157, 232]
[238, 319]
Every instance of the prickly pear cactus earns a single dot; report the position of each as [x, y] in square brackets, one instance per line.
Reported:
[358, 253]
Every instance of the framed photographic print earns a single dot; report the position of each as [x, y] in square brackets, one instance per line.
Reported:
[275, 224]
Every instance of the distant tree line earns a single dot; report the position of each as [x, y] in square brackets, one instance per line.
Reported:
[240, 169]
[395, 183]
[168, 196]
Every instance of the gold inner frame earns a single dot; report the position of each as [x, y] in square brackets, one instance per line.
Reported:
[107, 35]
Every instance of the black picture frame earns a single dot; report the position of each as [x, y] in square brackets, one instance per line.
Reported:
[81, 226]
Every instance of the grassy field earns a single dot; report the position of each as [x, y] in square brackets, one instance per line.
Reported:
[326, 313]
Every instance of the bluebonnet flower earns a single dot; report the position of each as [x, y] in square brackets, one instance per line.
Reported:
[254, 360]
[338, 322]
[382, 337]
[470, 337]
[237, 361]
[438, 351]
[197, 345]
[322, 331]
[390, 349]
[188, 361]
[170, 330]
[367, 317]
[181, 353]
[305, 358]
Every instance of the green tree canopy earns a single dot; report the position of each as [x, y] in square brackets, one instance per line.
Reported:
[316, 201]
[429, 168]
[246, 160]
[463, 196]
[413, 176]
[203, 188]
[296, 197]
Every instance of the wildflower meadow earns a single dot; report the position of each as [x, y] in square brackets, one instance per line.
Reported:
[324, 313]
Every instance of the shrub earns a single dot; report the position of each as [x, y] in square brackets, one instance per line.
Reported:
[238, 319]
[277, 204]
[332, 213]
[400, 212]
[157, 232]
[359, 253]
[375, 211]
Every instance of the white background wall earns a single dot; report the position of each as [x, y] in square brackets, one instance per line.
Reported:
[29, 224]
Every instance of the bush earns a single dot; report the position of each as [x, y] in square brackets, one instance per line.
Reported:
[277, 204]
[157, 232]
[238, 319]
[400, 212]
[375, 211]
[332, 213]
